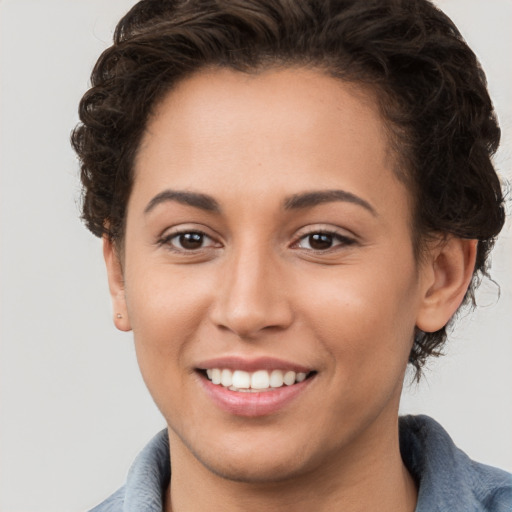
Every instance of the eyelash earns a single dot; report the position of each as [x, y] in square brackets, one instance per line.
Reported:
[167, 240]
[343, 241]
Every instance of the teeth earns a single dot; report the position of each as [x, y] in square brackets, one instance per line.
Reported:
[289, 378]
[226, 378]
[260, 380]
[240, 380]
[276, 379]
[216, 373]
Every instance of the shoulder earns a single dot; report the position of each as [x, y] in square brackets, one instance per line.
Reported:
[147, 480]
[447, 478]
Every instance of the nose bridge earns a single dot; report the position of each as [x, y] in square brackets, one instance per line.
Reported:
[251, 296]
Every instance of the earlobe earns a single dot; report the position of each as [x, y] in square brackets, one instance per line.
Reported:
[116, 285]
[447, 276]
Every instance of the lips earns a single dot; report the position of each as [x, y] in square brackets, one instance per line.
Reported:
[254, 387]
[253, 364]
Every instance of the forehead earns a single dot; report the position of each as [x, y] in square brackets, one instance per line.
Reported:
[278, 129]
[301, 103]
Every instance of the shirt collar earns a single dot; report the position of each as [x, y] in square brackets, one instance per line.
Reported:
[446, 477]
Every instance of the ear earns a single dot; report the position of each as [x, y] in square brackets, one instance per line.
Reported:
[446, 276]
[116, 285]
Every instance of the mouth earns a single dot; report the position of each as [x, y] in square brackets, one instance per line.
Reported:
[254, 388]
[254, 382]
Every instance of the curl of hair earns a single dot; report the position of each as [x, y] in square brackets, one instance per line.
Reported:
[430, 88]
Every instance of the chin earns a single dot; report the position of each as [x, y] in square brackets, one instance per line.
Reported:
[253, 462]
[260, 471]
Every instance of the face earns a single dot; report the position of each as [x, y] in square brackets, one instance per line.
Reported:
[268, 244]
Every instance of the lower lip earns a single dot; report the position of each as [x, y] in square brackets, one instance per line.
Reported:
[252, 404]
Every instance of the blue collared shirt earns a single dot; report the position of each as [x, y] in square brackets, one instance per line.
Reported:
[448, 480]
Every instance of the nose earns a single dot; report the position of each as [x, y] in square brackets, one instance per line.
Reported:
[252, 295]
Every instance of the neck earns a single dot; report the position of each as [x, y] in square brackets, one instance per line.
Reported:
[370, 475]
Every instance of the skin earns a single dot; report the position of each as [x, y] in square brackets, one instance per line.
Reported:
[256, 287]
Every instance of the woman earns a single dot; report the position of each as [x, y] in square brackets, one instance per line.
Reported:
[294, 198]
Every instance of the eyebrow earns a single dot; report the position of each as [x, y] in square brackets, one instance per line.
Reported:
[309, 199]
[296, 201]
[195, 199]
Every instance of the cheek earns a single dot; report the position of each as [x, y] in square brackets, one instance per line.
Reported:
[160, 295]
[166, 308]
[365, 319]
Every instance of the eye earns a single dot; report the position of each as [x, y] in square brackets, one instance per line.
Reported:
[187, 241]
[323, 241]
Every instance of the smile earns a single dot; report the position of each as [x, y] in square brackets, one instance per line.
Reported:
[254, 387]
[257, 381]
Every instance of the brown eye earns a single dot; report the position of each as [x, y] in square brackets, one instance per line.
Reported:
[191, 241]
[188, 241]
[320, 241]
[323, 241]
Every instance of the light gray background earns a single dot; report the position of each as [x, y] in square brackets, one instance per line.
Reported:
[74, 410]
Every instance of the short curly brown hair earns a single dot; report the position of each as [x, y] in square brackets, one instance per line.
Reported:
[430, 87]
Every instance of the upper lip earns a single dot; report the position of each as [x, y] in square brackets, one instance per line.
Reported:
[252, 364]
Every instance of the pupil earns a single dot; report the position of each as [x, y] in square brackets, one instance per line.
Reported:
[320, 241]
[191, 240]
